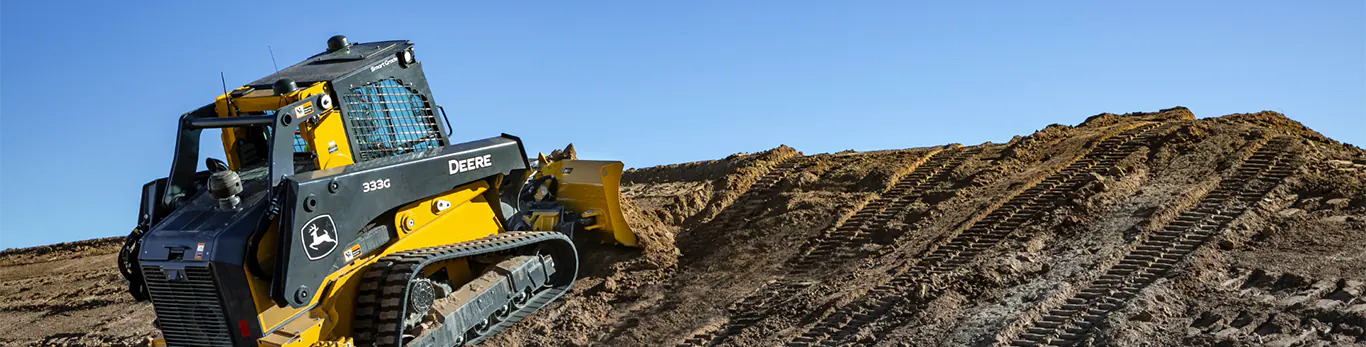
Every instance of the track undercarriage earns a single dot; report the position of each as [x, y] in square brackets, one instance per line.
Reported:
[403, 302]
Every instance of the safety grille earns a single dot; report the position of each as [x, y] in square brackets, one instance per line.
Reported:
[188, 308]
[388, 118]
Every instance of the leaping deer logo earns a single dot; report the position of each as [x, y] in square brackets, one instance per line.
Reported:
[318, 237]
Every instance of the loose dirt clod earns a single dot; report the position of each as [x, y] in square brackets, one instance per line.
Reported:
[1141, 228]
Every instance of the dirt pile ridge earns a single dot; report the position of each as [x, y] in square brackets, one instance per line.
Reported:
[69, 294]
[1125, 229]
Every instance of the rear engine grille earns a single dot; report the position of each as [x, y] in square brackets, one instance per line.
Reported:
[188, 308]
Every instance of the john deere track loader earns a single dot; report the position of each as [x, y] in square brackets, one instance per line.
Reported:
[343, 214]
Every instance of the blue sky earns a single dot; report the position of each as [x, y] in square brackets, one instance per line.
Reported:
[89, 92]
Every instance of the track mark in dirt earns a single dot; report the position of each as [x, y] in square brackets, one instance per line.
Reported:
[752, 201]
[748, 205]
[733, 217]
[837, 246]
[914, 286]
[841, 244]
[743, 208]
[1160, 253]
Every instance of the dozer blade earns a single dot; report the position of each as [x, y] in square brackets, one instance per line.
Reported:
[592, 186]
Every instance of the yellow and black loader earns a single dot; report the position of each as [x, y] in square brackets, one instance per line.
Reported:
[344, 215]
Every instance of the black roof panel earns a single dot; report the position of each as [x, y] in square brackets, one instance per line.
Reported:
[329, 66]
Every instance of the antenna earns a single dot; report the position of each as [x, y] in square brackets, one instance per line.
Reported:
[272, 59]
[227, 96]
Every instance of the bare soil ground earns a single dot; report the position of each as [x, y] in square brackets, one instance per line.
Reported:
[1135, 229]
[69, 294]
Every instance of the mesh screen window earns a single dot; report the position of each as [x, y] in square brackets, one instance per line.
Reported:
[388, 119]
[299, 145]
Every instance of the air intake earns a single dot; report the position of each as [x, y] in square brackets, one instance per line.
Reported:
[187, 305]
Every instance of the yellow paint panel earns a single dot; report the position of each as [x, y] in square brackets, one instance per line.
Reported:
[266, 100]
[326, 137]
[297, 333]
[417, 215]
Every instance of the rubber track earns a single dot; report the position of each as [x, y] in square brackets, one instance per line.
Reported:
[910, 287]
[833, 246]
[384, 285]
[1159, 254]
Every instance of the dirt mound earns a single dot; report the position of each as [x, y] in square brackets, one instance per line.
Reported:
[1119, 230]
[1126, 229]
[69, 294]
[21, 256]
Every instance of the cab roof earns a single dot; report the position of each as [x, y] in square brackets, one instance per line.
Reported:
[328, 66]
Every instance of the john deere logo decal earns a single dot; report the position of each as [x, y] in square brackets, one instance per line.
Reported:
[319, 237]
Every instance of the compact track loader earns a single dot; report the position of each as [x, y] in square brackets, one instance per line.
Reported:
[344, 215]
